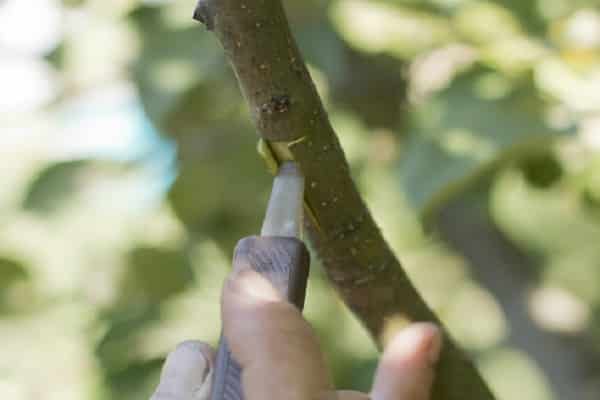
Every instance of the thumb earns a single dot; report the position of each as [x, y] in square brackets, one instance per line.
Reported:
[276, 348]
[406, 370]
[187, 373]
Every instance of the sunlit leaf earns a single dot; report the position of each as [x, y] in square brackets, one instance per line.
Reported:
[507, 369]
[488, 326]
[484, 22]
[397, 30]
[464, 131]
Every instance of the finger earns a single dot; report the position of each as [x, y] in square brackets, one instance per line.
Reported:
[276, 348]
[187, 373]
[406, 370]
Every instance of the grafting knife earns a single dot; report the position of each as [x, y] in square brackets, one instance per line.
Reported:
[279, 255]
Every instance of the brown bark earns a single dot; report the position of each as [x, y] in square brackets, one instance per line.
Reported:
[286, 108]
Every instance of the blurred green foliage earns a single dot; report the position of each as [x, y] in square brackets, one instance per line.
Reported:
[108, 258]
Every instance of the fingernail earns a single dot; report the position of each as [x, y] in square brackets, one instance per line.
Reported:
[419, 341]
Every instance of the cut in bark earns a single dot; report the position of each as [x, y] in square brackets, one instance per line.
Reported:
[289, 115]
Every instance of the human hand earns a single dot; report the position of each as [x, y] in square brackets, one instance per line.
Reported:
[281, 358]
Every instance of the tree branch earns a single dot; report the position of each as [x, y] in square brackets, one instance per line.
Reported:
[286, 108]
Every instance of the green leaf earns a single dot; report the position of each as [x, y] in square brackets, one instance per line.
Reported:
[467, 131]
[541, 170]
[155, 274]
[222, 187]
[115, 350]
[126, 375]
[173, 59]
[552, 224]
[221, 184]
[188, 94]
[11, 272]
[58, 185]
[52, 186]
[136, 382]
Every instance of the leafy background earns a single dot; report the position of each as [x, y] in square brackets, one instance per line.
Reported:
[129, 171]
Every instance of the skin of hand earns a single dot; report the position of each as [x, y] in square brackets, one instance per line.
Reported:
[281, 358]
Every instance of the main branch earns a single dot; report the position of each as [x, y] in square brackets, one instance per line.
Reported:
[290, 116]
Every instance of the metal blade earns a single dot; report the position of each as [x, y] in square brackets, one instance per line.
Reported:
[284, 212]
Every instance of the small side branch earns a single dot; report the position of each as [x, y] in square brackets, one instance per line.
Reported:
[286, 108]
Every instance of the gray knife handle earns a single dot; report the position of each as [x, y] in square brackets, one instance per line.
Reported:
[284, 261]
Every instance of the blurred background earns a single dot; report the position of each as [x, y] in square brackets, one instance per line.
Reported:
[128, 172]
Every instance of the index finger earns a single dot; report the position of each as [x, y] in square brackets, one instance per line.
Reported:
[276, 348]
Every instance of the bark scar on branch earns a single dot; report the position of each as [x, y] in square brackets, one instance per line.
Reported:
[277, 104]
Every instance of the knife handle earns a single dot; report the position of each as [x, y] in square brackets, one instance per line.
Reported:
[284, 261]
